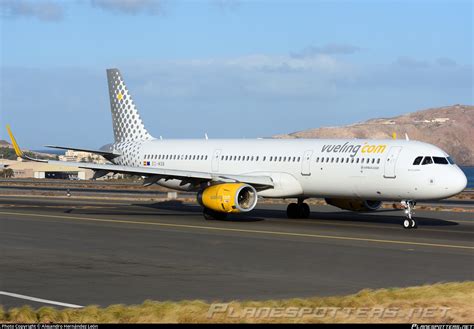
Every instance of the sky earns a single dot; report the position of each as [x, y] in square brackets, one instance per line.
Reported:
[231, 69]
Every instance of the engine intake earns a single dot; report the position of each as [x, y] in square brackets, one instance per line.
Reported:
[228, 197]
[354, 204]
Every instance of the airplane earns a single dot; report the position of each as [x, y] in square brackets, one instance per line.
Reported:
[230, 175]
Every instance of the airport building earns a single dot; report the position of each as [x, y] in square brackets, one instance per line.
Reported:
[76, 156]
[31, 169]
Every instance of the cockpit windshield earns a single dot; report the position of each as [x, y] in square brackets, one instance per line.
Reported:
[429, 160]
[417, 161]
[440, 160]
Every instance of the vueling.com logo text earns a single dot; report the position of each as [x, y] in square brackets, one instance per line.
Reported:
[354, 148]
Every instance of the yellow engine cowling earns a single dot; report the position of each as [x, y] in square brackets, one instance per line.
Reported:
[228, 197]
[354, 204]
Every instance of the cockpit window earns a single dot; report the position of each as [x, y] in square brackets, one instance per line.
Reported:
[427, 160]
[450, 160]
[417, 161]
[440, 160]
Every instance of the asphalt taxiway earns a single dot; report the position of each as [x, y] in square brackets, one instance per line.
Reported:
[83, 252]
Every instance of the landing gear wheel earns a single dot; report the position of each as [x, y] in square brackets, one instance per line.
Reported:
[406, 223]
[292, 210]
[213, 215]
[303, 210]
[409, 222]
[298, 210]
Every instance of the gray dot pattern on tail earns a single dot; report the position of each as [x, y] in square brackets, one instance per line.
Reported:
[130, 151]
[128, 126]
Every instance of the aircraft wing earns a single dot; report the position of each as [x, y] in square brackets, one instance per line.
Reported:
[153, 174]
[108, 155]
[261, 181]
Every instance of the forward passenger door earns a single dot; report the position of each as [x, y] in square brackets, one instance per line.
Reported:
[391, 161]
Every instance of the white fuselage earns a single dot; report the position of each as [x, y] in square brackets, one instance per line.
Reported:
[341, 168]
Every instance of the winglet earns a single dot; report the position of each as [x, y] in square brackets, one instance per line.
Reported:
[17, 149]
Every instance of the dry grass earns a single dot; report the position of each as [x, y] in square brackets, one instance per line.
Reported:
[458, 297]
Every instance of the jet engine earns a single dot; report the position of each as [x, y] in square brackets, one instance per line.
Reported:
[228, 197]
[354, 204]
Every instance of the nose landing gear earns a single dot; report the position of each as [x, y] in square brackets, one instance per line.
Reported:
[409, 222]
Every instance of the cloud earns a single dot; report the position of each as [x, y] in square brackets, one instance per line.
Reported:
[130, 7]
[447, 62]
[261, 94]
[329, 49]
[411, 63]
[258, 76]
[42, 10]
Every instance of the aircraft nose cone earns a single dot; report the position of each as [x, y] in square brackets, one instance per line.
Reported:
[459, 183]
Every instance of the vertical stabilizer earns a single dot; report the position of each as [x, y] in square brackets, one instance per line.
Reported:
[128, 126]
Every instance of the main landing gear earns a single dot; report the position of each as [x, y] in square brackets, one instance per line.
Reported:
[409, 222]
[298, 210]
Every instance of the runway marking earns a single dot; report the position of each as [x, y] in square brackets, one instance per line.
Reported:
[228, 229]
[39, 300]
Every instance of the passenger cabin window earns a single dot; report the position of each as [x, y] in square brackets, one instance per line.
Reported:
[440, 160]
[427, 160]
[417, 161]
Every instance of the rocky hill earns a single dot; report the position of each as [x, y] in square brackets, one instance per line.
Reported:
[7, 152]
[450, 127]
[4, 143]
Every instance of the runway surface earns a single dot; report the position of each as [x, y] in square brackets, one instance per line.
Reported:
[106, 252]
